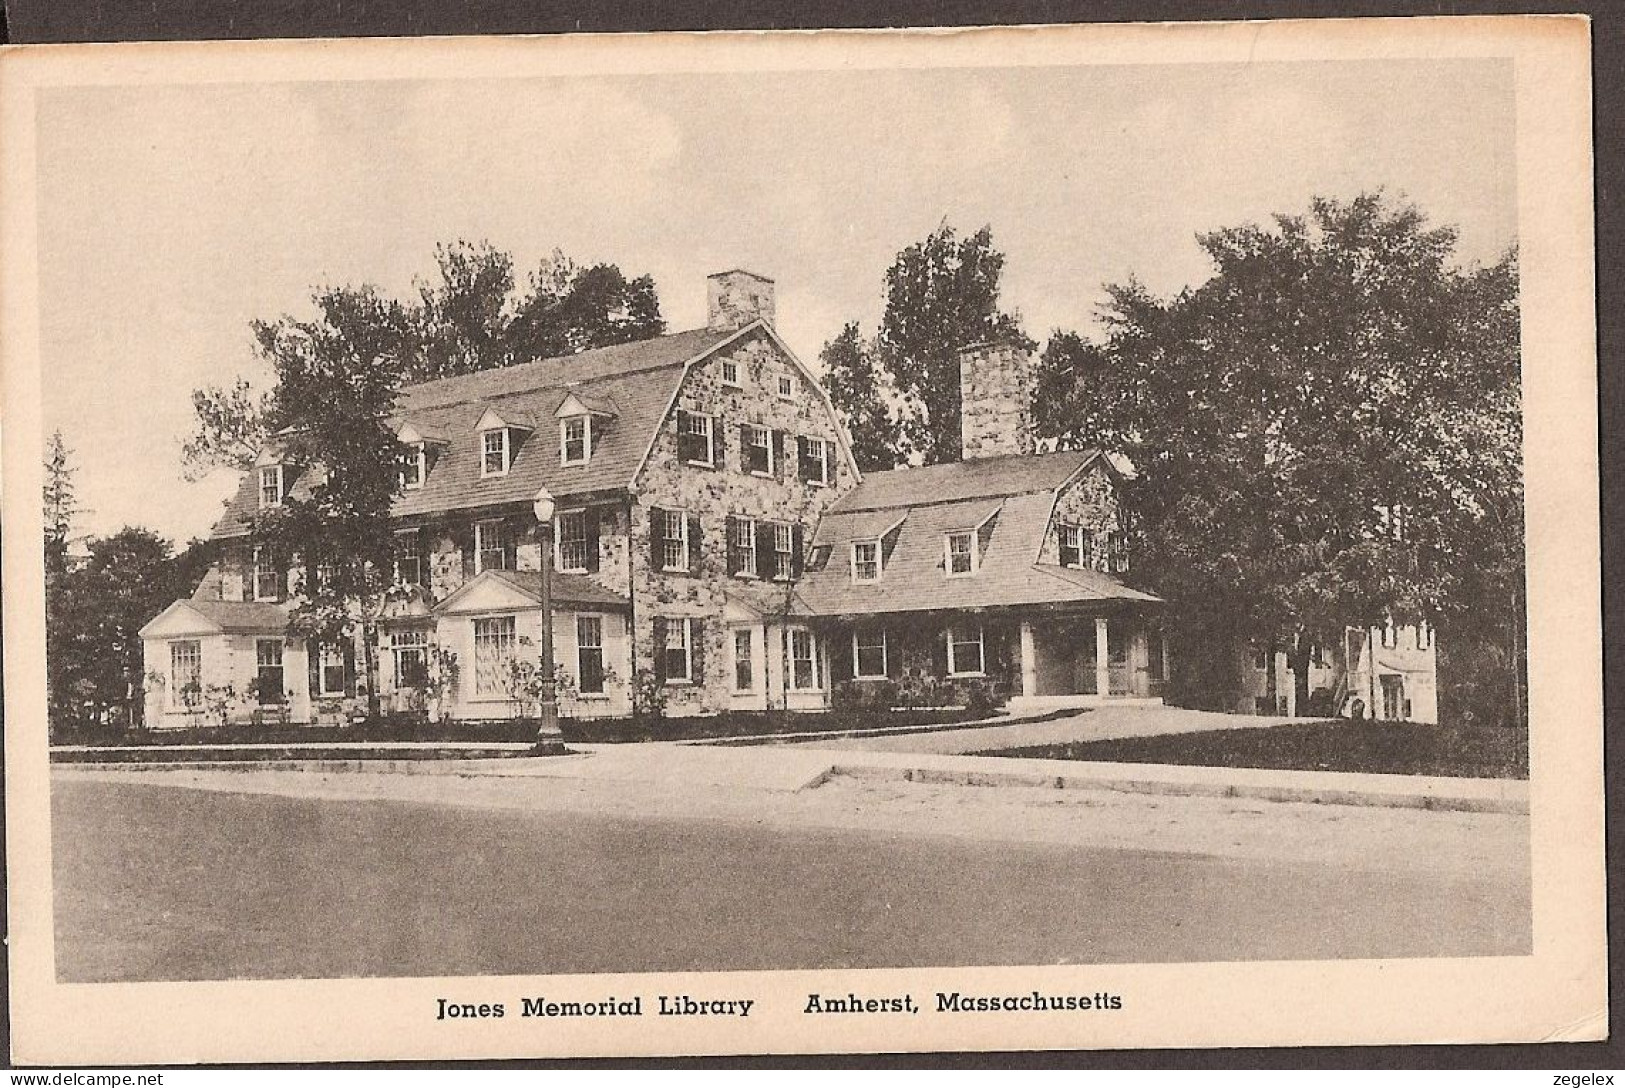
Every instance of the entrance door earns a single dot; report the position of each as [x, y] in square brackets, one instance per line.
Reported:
[1119, 671]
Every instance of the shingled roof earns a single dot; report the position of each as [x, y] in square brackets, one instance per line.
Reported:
[979, 478]
[639, 379]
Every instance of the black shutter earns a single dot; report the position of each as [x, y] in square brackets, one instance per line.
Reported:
[694, 543]
[590, 519]
[801, 458]
[463, 536]
[896, 641]
[841, 664]
[795, 551]
[764, 549]
[657, 538]
[685, 448]
[744, 447]
[511, 529]
[779, 444]
[349, 666]
[731, 529]
[939, 653]
[718, 446]
[696, 650]
[659, 639]
[313, 663]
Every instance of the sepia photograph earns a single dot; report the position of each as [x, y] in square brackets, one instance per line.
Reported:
[594, 544]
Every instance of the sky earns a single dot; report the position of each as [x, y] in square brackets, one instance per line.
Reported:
[173, 216]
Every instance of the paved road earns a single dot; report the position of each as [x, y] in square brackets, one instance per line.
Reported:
[161, 882]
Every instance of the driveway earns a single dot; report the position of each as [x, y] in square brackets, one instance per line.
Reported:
[1096, 723]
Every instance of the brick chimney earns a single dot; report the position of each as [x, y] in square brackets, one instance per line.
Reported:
[735, 299]
[996, 400]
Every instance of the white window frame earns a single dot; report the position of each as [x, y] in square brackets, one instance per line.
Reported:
[856, 577]
[512, 644]
[1072, 536]
[585, 419]
[685, 624]
[603, 659]
[857, 657]
[748, 524]
[329, 655]
[479, 544]
[790, 658]
[558, 541]
[405, 642]
[823, 458]
[766, 433]
[948, 553]
[784, 559]
[261, 562]
[418, 459]
[737, 381]
[184, 650]
[280, 493]
[486, 471]
[710, 438]
[981, 651]
[779, 386]
[748, 660]
[417, 547]
[260, 664]
[667, 538]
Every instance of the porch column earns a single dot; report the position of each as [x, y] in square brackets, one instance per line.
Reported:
[1029, 662]
[1103, 670]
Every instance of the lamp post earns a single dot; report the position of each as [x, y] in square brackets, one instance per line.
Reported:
[549, 738]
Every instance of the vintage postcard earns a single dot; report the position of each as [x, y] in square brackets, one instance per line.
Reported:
[1028, 538]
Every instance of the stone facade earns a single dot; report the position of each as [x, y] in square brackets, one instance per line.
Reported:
[996, 385]
[1089, 501]
[735, 299]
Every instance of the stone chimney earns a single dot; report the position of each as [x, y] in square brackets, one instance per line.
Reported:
[996, 400]
[735, 299]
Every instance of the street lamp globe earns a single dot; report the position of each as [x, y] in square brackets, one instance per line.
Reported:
[543, 506]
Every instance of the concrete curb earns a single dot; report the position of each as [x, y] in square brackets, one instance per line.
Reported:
[1312, 787]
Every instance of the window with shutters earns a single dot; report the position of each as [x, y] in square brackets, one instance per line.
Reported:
[866, 561]
[271, 493]
[590, 655]
[494, 640]
[330, 671]
[742, 546]
[758, 450]
[572, 538]
[965, 650]
[730, 373]
[575, 440]
[674, 540]
[814, 460]
[695, 443]
[679, 658]
[493, 546]
[744, 662]
[494, 458]
[784, 550]
[869, 652]
[267, 578]
[186, 673]
[959, 558]
[413, 467]
[409, 558]
[803, 660]
[270, 682]
[411, 649]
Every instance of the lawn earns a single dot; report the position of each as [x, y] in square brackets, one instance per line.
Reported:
[1337, 745]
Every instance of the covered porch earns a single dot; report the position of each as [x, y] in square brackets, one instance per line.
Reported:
[1080, 658]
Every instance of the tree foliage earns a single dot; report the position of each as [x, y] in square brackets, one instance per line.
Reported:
[899, 394]
[1325, 432]
[60, 504]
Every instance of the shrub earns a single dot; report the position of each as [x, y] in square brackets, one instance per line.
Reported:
[848, 695]
[648, 695]
[1319, 704]
[979, 698]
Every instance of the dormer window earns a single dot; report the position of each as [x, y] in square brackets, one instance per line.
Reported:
[494, 452]
[866, 561]
[413, 467]
[575, 440]
[1077, 546]
[959, 554]
[271, 493]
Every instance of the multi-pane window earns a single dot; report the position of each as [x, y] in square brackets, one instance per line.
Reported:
[678, 659]
[575, 440]
[1117, 551]
[268, 674]
[787, 387]
[694, 438]
[674, 543]
[742, 545]
[493, 546]
[758, 450]
[744, 667]
[271, 485]
[267, 578]
[409, 558]
[869, 652]
[866, 561]
[1075, 546]
[330, 674]
[965, 650]
[411, 648]
[803, 660]
[573, 540]
[730, 372]
[412, 465]
[961, 554]
[494, 639]
[814, 459]
[590, 654]
[494, 452]
[784, 550]
[185, 673]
